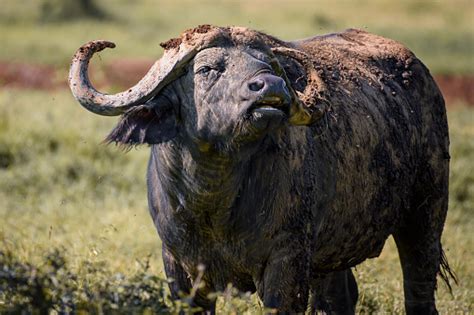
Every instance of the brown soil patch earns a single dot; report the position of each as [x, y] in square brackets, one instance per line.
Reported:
[22, 75]
[456, 88]
[124, 73]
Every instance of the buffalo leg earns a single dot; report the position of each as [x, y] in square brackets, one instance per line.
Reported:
[182, 284]
[335, 293]
[420, 259]
[285, 283]
[419, 247]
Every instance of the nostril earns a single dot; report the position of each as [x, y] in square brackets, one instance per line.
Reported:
[256, 85]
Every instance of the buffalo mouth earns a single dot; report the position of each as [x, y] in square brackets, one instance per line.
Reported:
[271, 105]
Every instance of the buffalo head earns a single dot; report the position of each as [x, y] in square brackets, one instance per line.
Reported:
[214, 87]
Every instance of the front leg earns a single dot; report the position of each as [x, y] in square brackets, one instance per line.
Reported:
[181, 284]
[285, 282]
[334, 293]
[174, 271]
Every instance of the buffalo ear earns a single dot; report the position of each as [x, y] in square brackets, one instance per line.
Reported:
[294, 71]
[145, 124]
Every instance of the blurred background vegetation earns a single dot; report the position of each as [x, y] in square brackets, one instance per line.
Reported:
[48, 31]
[75, 230]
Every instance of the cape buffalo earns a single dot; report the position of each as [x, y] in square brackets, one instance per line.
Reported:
[279, 165]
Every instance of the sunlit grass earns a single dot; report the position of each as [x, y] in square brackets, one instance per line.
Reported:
[61, 186]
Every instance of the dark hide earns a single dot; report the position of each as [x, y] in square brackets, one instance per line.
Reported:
[287, 210]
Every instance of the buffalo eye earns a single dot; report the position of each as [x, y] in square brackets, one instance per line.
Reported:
[205, 70]
[210, 71]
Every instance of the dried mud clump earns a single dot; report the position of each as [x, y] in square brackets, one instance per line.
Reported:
[172, 43]
[200, 29]
[187, 35]
[93, 47]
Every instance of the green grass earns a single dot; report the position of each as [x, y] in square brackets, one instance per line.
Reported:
[65, 187]
[440, 33]
[61, 188]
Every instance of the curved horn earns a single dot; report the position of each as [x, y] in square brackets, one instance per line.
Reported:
[314, 87]
[160, 74]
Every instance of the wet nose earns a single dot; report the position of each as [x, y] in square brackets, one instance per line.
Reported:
[268, 85]
[256, 85]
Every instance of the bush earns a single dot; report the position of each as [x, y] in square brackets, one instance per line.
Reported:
[52, 286]
[62, 10]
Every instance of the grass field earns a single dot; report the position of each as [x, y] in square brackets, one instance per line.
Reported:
[61, 188]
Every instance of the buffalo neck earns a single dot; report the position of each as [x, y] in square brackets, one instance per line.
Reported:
[225, 193]
[200, 183]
